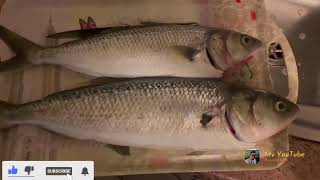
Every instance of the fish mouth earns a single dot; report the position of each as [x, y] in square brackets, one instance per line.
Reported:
[231, 129]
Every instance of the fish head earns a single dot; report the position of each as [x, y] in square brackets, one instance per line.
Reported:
[240, 46]
[228, 48]
[256, 115]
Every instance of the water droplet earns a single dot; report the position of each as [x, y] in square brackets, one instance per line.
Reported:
[302, 36]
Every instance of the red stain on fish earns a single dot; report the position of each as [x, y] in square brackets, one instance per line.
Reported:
[246, 60]
[234, 71]
[238, 1]
[253, 15]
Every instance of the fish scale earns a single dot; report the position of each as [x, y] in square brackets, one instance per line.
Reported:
[180, 50]
[119, 102]
[135, 40]
[159, 112]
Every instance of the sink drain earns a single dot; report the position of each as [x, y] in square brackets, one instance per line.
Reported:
[278, 69]
[275, 54]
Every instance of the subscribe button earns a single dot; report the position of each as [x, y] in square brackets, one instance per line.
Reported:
[54, 171]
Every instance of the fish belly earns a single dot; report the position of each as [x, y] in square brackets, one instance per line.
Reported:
[209, 138]
[156, 65]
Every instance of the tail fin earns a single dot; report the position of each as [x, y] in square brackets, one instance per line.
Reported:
[4, 117]
[14, 64]
[18, 44]
[21, 46]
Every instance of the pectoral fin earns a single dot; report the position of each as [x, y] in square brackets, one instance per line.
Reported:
[208, 116]
[188, 52]
[122, 150]
[205, 119]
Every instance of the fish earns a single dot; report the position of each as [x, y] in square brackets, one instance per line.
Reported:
[88, 32]
[180, 50]
[196, 114]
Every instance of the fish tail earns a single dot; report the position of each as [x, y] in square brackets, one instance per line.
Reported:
[5, 108]
[14, 64]
[22, 47]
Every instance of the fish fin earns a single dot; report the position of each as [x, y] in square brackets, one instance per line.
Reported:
[18, 44]
[22, 48]
[104, 80]
[209, 115]
[196, 153]
[85, 33]
[5, 119]
[14, 64]
[81, 33]
[122, 150]
[83, 24]
[189, 52]
[150, 23]
[205, 119]
[97, 81]
[91, 23]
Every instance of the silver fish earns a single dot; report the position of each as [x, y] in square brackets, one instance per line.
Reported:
[174, 113]
[183, 50]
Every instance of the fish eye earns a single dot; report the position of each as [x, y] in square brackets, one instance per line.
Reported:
[245, 40]
[280, 106]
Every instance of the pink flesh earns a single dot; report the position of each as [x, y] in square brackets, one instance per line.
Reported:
[237, 65]
[246, 60]
[235, 69]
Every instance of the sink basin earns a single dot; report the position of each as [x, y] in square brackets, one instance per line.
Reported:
[299, 21]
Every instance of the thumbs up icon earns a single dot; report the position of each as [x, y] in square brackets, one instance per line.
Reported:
[13, 170]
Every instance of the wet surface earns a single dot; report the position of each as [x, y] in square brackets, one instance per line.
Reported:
[299, 21]
[306, 167]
